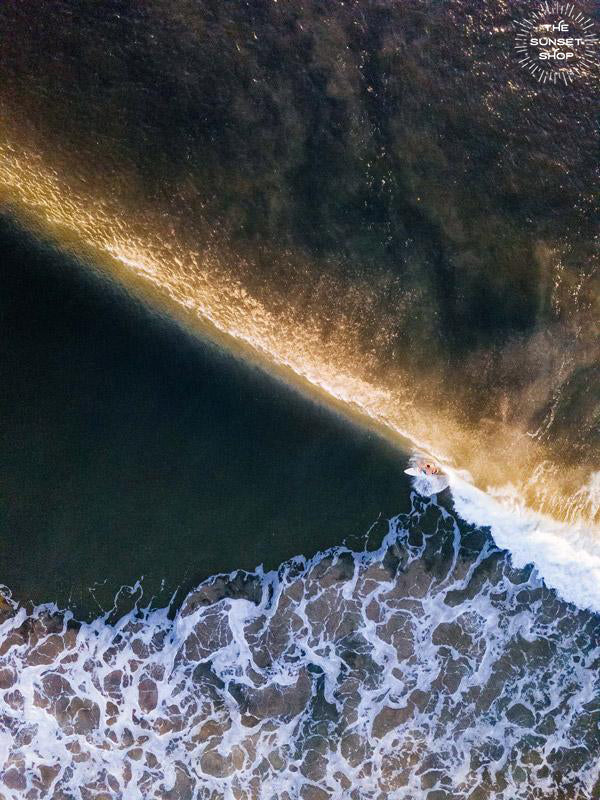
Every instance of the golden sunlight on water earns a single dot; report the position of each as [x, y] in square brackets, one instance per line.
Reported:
[209, 296]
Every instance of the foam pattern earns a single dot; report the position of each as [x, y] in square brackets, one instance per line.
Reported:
[429, 668]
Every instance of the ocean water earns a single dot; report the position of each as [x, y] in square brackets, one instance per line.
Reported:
[131, 450]
[282, 247]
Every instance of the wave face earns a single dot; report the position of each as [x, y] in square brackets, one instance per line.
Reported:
[332, 191]
[428, 668]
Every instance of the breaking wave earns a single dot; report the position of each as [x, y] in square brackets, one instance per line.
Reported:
[549, 516]
[567, 555]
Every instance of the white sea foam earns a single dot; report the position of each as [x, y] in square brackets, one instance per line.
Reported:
[430, 664]
[566, 555]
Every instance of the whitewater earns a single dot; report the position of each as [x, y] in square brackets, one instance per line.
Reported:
[567, 556]
[430, 667]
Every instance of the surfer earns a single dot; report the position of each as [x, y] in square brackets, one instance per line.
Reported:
[429, 469]
[430, 478]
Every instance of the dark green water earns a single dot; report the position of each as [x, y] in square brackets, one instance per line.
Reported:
[129, 449]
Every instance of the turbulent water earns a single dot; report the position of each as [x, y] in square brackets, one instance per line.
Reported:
[427, 668]
[378, 204]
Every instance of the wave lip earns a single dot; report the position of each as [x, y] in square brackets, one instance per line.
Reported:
[567, 555]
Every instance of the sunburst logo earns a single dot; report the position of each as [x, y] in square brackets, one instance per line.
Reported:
[556, 43]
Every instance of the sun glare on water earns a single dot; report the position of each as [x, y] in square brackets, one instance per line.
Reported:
[209, 297]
